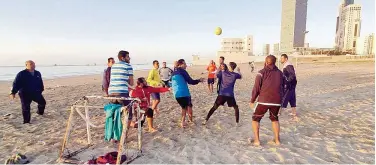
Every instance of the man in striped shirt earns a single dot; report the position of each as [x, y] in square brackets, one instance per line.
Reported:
[121, 79]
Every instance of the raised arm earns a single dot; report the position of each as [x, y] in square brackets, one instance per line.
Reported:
[256, 87]
[188, 79]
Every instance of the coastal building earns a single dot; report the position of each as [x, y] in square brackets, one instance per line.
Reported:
[276, 49]
[231, 47]
[266, 50]
[369, 45]
[348, 26]
[293, 25]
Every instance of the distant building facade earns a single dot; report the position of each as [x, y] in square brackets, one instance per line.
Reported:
[369, 45]
[236, 46]
[266, 50]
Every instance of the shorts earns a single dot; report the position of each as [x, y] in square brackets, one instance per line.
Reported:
[290, 98]
[262, 109]
[211, 80]
[184, 102]
[221, 100]
[156, 96]
[149, 114]
[123, 102]
[166, 83]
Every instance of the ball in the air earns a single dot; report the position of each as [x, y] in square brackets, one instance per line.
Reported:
[218, 31]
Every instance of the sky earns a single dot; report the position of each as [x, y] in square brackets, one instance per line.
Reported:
[89, 31]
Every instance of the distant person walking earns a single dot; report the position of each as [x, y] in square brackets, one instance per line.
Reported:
[180, 81]
[226, 94]
[154, 80]
[107, 75]
[211, 75]
[252, 65]
[268, 89]
[29, 85]
[165, 74]
[291, 82]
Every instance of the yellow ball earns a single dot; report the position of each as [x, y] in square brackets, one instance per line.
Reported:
[218, 31]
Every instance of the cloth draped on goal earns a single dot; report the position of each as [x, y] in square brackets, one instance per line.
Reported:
[113, 127]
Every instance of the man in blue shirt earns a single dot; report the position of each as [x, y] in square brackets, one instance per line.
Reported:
[29, 85]
[226, 92]
[180, 81]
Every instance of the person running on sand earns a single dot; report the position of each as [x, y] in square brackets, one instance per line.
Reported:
[211, 75]
[290, 77]
[268, 89]
[226, 94]
[154, 80]
[143, 92]
[180, 81]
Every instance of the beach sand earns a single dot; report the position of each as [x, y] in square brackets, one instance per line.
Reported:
[335, 104]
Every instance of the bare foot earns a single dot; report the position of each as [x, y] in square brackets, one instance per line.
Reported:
[152, 130]
[183, 124]
[277, 142]
[255, 143]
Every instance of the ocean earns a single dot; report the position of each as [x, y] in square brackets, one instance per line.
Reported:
[8, 73]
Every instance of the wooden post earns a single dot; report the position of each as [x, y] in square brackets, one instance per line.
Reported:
[123, 134]
[87, 123]
[139, 128]
[67, 133]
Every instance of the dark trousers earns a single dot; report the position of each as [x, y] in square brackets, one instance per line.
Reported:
[26, 99]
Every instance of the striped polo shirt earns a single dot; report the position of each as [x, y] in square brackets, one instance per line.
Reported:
[120, 73]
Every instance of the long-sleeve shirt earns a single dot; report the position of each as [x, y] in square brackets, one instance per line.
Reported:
[144, 94]
[106, 79]
[165, 73]
[154, 79]
[180, 81]
[269, 86]
[289, 74]
[28, 83]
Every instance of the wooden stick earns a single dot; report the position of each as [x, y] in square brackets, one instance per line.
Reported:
[67, 133]
[82, 106]
[87, 122]
[139, 128]
[123, 135]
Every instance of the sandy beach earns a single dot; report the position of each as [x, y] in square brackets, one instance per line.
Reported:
[335, 105]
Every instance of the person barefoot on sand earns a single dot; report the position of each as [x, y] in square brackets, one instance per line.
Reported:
[211, 75]
[143, 92]
[154, 80]
[226, 94]
[290, 78]
[180, 81]
[268, 88]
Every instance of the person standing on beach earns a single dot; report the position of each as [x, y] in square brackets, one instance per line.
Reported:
[29, 85]
[180, 81]
[226, 94]
[165, 74]
[221, 62]
[154, 80]
[121, 80]
[211, 75]
[107, 75]
[268, 89]
[290, 77]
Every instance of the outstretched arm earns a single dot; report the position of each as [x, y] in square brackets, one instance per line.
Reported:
[189, 79]
[158, 90]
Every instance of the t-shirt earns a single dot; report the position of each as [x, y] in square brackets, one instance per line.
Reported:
[228, 82]
[165, 73]
[211, 69]
[120, 73]
[154, 79]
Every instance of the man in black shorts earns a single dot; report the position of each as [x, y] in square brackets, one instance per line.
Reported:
[180, 81]
[226, 93]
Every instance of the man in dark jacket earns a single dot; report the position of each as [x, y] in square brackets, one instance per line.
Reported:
[29, 85]
[268, 89]
[107, 75]
[290, 78]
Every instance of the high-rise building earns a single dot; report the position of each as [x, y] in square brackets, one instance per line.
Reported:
[348, 26]
[276, 49]
[266, 49]
[369, 45]
[293, 24]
